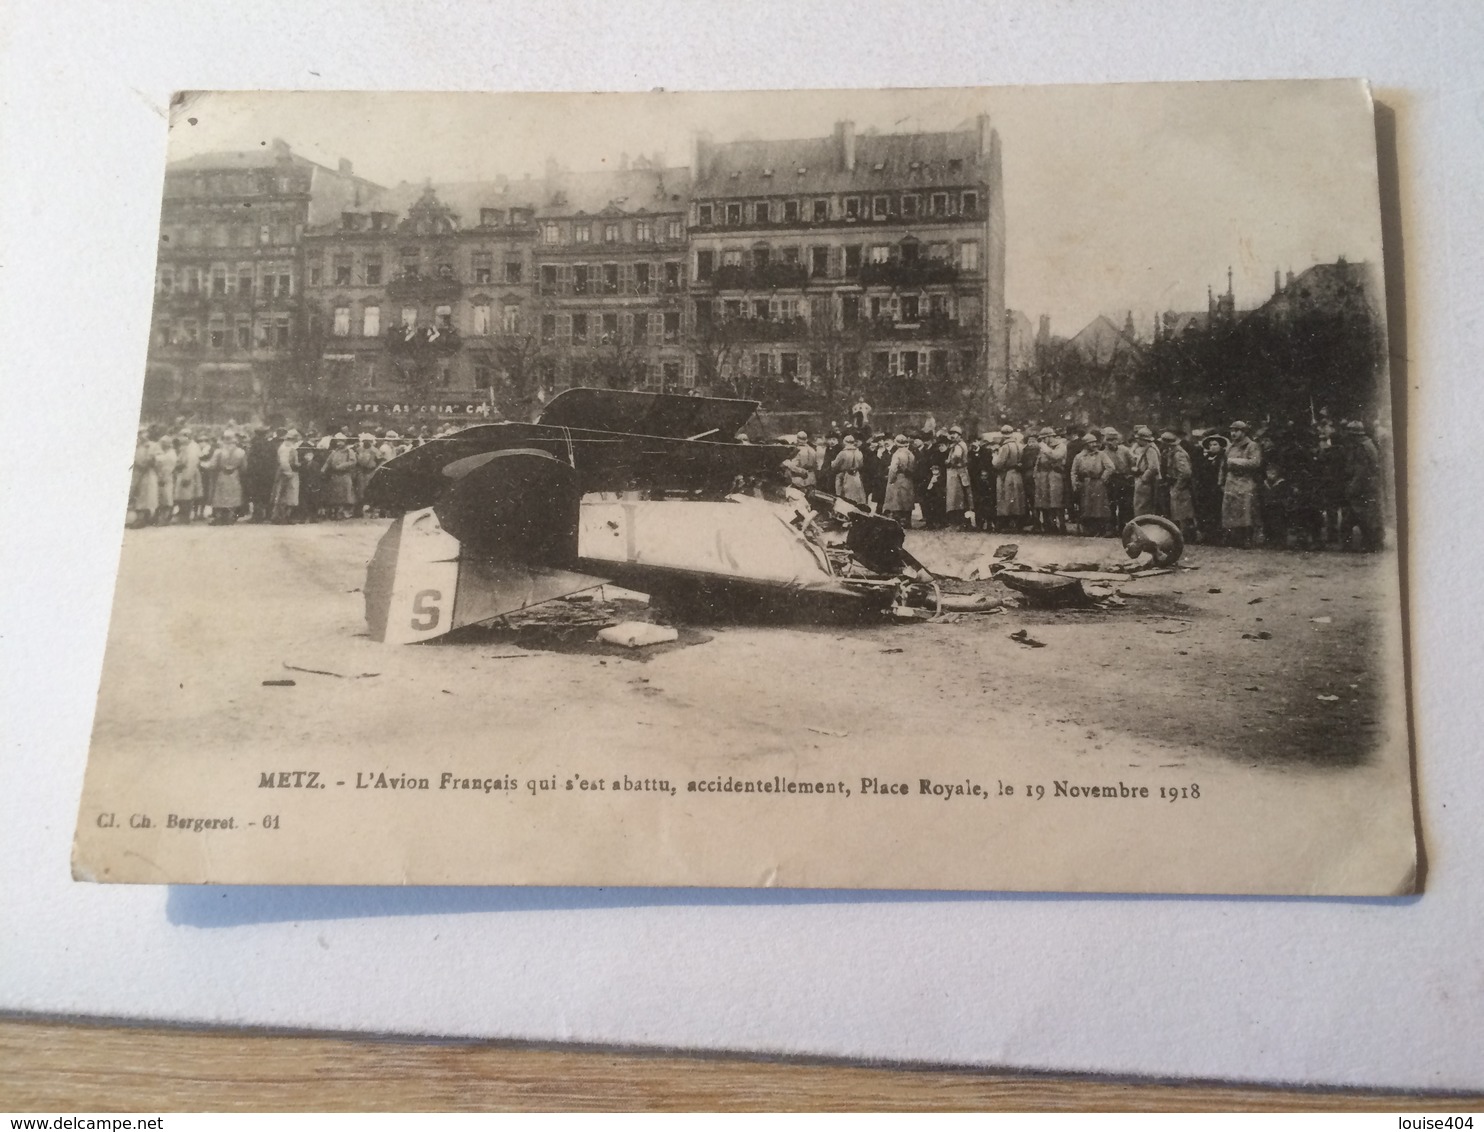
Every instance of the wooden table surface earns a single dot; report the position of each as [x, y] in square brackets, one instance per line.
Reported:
[51, 1066]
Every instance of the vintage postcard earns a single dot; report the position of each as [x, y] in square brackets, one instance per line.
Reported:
[942, 489]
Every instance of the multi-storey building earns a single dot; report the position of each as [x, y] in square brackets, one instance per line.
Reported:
[227, 318]
[611, 277]
[870, 261]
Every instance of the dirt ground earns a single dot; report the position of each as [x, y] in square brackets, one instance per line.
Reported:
[1247, 659]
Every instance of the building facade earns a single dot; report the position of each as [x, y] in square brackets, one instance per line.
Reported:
[227, 333]
[871, 262]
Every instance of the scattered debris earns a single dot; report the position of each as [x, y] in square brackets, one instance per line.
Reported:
[513, 656]
[1322, 620]
[892, 650]
[327, 672]
[446, 692]
[1007, 550]
[638, 634]
[1046, 591]
[1254, 688]
[1022, 636]
[962, 603]
[1185, 628]
[1253, 601]
[278, 683]
[1214, 590]
[1260, 635]
[827, 731]
[1328, 699]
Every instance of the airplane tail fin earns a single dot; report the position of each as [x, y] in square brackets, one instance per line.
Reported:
[420, 584]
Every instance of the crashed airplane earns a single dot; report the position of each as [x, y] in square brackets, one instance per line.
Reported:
[645, 490]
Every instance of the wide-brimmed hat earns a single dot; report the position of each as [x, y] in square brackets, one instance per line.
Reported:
[1215, 438]
[956, 429]
[1238, 425]
[1047, 431]
[802, 435]
[1006, 430]
[1354, 426]
[900, 438]
[292, 434]
[365, 436]
[1168, 436]
[1090, 438]
[1143, 433]
[391, 434]
[1112, 434]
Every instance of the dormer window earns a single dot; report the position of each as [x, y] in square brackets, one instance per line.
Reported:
[489, 217]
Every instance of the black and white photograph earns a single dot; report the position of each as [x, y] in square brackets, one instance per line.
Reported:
[984, 489]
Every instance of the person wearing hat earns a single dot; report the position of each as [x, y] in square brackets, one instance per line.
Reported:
[1092, 470]
[286, 478]
[846, 467]
[259, 473]
[901, 493]
[366, 463]
[1241, 471]
[806, 460]
[1009, 481]
[1146, 472]
[187, 476]
[1121, 485]
[981, 482]
[1029, 439]
[1205, 485]
[144, 492]
[389, 446]
[958, 487]
[340, 467]
[1050, 490]
[1362, 488]
[225, 465]
[1179, 503]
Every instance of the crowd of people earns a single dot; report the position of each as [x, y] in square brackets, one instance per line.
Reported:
[184, 475]
[1302, 485]
[1307, 486]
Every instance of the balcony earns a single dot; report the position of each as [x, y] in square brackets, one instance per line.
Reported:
[928, 326]
[923, 273]
[410, 342]
[768, 329]
[770, 277]
[424, 288]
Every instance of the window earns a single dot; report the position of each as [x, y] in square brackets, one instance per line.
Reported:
[443, 318]
[760, 309]
[579, 328]
[672, 327]
[582, 233]
[762, 364]
[880, 253]
[342, 272]
[705, 265]
[908, 365]
[244, 334]
[910, 306]
[190, 331]
[910, 250]
[881, 207]
[879, 308]
[734, 213]
[641, 329]
[512, 271]
[481, 319]
[551, 232]
[674, 230]
[218, 280]
[610, 233]
[938, 305]
[968, 255]
[672, 277]
[371, 322]
[852, 260]
[938, 252]
[484, 370]
[782, 310]
[819, 262]
[731, 308]
[791, 255]
[880, 363]
[670, 375]
[731, 258]
[342, 322]
[819, 311]
[819, 366]
[938, 204]
[760, 258]
[409, 317]
[791, 211]
[489, 217]
[643, 231]
[610, 278]
[641, 278]
[788, 367]
[549, 284]
[373, 271]
[445, 374]
[850, 309]
[705, 312]
[703, 214]
[316, 274]
[821, 210]
[244, 281]
[285, 285]
[579, 279]
[445, 271]
[761, 212]
[852, 208]
[971, 204]
[909, 205]
[281, 331]
[411, 266]
[484, 268]
[610, 329]
[510, 316]
[368, 374]
[548, 328]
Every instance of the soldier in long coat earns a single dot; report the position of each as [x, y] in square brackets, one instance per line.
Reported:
[258, 475]
[187, 476]
[1121, 485]
[958, 489]
[225, 465]
[1206, 488]
[366, 463]
[846, 467]
[1051, 470]
[1030, 454]
[340, 473]
[1091, 472]
[286, 479]
[1009, 480]
[165, 472]
[1146, 473]
[1178, 473]
[1241, 470]
[1362, 488]
[807, 460]
[901, 493]
[981, 480]
[144, 491]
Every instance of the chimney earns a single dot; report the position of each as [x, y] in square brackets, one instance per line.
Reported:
[1043, 332]
[1290, 279]
[701, 155]
[845, 145]
[345, 167]
[981, 121]
[1277, 283]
